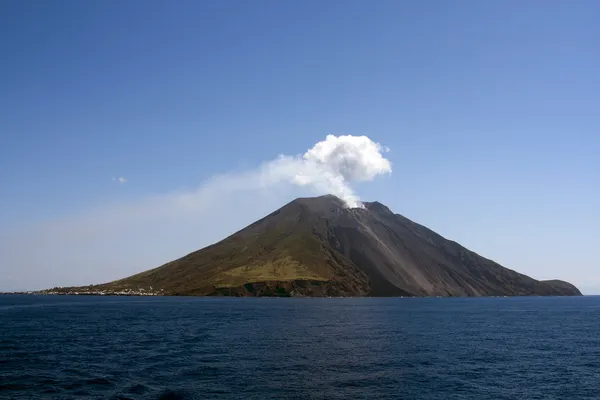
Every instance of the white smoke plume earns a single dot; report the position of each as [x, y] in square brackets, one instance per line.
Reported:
[331, 165]
[119, 239]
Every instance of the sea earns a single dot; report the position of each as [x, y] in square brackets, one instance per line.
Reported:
[80, 347]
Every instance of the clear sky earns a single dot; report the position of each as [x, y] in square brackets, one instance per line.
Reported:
[491, 110]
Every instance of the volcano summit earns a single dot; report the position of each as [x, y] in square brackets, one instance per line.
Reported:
[319, 247]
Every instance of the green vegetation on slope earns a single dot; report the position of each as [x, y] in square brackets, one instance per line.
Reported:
[280, 247]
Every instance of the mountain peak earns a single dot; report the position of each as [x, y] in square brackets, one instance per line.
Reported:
[377, 207]
[322, 205]
[332, 200]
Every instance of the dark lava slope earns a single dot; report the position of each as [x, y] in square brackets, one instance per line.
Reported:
[317, 247]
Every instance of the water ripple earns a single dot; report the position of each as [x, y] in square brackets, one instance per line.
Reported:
[188, 348]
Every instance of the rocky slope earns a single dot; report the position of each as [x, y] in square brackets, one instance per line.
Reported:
[317, 247]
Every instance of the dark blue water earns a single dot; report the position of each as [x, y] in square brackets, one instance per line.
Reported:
[227, 348]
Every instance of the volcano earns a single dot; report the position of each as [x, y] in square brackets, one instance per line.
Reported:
[319, 247]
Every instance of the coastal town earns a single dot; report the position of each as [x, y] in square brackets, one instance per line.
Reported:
[91, 291]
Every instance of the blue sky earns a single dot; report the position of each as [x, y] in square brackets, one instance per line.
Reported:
[490, 109]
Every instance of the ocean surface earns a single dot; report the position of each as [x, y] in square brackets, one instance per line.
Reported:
[76, 347]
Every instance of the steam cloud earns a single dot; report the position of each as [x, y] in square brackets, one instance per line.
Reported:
[331, 165]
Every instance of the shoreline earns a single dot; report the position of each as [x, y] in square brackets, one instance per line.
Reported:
[297, 297]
